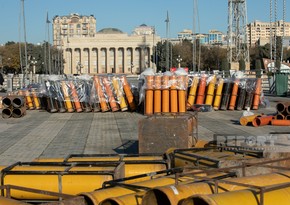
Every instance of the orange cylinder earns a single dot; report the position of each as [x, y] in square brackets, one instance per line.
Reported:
[263, 120]
[192, 92]
[75, 97]
[149, 102]
[101, 95]
[111, 98]
[66, 97]
[157, 94]
[128, 93]
[257, 94]
[248, 119]
[276, 122]
[234, 95]
[173, 94]
[165, 94]
[201, 90]
[210, 91]
[182, 88]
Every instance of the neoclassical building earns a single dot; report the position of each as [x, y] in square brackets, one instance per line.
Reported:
[107, 51]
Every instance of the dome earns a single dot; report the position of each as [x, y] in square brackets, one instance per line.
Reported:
[110, 31]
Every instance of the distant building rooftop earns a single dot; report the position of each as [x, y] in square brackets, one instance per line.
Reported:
[110, 31]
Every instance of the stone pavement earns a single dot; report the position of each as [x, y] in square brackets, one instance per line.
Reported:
[46, 135]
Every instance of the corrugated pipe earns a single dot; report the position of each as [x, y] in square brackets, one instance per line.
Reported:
[243, 197]
[172, 195]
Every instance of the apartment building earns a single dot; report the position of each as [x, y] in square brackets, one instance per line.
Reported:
[259, 31]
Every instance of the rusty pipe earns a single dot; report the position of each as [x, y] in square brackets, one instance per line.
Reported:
[7, 101]
[6, 113]
[18, 112]
[18, 101]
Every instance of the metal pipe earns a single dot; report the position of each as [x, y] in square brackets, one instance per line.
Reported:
[218, 94]
[257, 94]
[6, 113]
[157, 94]
[149, 95]
[173, 94]
[192, 92]
[201, 90]
[110, 95]
[128, 93]
[7, 101]
[234, 94]
[226, 93]
[169, 195]
[210, 91]
[18, 112]
[165, 94]
[18, 101]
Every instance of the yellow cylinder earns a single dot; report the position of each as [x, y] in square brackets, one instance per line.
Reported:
[66, 97]
[176, 194]
[120, 94]
[29, 100]
[35, 99]
[57, 179]
[7, 201]
[218, 94]
[210, 91]
[192, 92]
[128, 199]
[128, 93]
[242, 197]
[244, 120]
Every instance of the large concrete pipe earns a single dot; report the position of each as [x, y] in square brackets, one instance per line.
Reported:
[133, 164]
[169, 195]
[62, 178]
[242, 197]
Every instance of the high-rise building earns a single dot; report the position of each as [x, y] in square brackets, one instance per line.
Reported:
[261, 31]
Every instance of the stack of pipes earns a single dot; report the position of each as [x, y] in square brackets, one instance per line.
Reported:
[13, 106]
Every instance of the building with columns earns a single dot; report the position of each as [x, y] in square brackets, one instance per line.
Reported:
[107, 51]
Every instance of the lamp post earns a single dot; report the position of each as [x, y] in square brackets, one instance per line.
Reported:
[33, 62]
[179, 59]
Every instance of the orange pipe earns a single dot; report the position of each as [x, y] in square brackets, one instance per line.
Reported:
[173, 95]
[287, 117]
[248, 119]
[66, 97]
[192, 92]
[234, 95]
[210, 91]
[262, 120]
[75, 97]
[218, 95]
[201, 90]
[182, 88]
[101, 95]
[165, 94]
[257, 94]
[276, 122]
[111, 98]
[149, 102]
[157, 94]
[128, 93]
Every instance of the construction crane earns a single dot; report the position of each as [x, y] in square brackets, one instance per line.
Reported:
[237, 34]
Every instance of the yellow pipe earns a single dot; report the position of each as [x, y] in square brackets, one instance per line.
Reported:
[7, 201]
[99, 195]
[210, 91]
[29, 100]
[128, 199]
[244, 120]
[66, 97]
[128, 93]
[192, 92]
[120, 94]
[242, 197]
[35, 99]
[218, 94]
[57, 179]
[174, 194]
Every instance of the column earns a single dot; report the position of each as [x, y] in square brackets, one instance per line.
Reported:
[125, 66]
[133, 66]
[107, 63]
[98, 59]
[73, 61]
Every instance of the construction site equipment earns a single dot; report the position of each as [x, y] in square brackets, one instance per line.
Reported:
[257, 94]
[158, 133]
[14, 106]
[111, 98]
[210, 91]
[149, 102]
[157, 94]
[283, 122]
[128, 92]
[173, 94]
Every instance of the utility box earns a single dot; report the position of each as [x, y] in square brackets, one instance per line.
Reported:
[158, 133]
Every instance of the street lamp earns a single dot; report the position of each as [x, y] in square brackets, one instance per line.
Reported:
[179, 59]
[33, 62]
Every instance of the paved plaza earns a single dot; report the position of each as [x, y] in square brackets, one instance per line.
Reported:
[43, 134]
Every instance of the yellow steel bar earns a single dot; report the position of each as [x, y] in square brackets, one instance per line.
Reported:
[174, 194]
[242, 197]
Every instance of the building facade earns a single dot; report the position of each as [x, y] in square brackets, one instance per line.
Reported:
[107, 51]
[261, 31]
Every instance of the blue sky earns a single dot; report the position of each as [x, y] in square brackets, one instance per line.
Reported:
[125, 15]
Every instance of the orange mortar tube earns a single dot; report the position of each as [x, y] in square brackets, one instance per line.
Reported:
[120, 95]
[218, 94]
[128, 93]
[201, 90]
[35, 100]
[157, 94]
[257, 94]
[182, 88]
[276, 122]
[234, 95]
[66, 97]
[111, 98]
[192, 92]
[210, 91]
[173, 95]
[248, 119]
[165, 94]
[149, 95]
[262, 120]
[29, 100]
[101, 95]
[75, 97]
